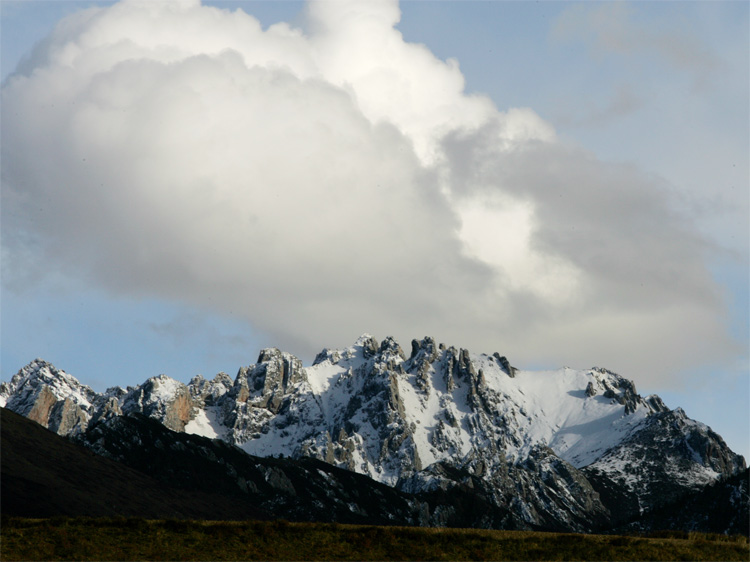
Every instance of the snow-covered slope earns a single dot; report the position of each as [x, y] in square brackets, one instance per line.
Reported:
[566, 445]
[371, 409]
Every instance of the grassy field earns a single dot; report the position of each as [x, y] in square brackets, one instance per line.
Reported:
[140, 539]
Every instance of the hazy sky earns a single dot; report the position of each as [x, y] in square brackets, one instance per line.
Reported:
[565, 183]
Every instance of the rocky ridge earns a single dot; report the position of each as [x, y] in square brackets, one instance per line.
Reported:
[567, 449]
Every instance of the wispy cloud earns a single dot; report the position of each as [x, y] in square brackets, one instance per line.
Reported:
[612, 28]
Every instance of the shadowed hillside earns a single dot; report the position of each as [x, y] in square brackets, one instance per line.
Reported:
[45, 475]
[153, 472]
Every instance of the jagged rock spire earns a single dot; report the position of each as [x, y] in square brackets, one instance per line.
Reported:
[432, 419]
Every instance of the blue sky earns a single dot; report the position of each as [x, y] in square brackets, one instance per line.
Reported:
[647, 99]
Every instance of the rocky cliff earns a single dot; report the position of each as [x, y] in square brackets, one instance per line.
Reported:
[567, 449]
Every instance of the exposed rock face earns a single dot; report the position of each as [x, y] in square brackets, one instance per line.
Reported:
[42, 405]
[562, 449]
[505, 364]
[110, 408]
[50, 397]
[59, 402]
[164, 399]
[66, 416]
[306, 490]
[542, 492]
[723, 507]
[621, 390]
[206, 393]
[669, 456]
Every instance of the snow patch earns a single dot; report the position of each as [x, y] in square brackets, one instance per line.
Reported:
[205, 424]
[164, 388]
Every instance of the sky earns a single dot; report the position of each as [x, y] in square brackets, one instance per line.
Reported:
[184, 184]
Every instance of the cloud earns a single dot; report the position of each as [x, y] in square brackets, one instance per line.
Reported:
[623, 103]
[334, 181]
[596, 257]
[670, 89]
[613, 28]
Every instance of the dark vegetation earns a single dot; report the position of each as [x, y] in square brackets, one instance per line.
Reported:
[163, 474]
[140, 539]
[183, 497]
[301, 490]
[722, 507]
[45, 475]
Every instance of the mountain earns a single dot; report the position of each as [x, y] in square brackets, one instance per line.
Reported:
[722, 507]
[565, 450]
[141, 468]
[45, 475]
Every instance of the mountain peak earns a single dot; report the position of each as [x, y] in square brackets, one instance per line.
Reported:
[41, 369]
[365, 339]
[440, 418]
[40, 373]
[49, 396]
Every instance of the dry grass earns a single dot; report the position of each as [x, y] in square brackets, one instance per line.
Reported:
[140, 539]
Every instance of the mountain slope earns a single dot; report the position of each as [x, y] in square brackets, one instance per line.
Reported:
[45, 475]
[299, 490]
[565, 449]
[722, 507]
[670, 456]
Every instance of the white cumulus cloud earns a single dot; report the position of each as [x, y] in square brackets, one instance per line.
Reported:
[325, 182]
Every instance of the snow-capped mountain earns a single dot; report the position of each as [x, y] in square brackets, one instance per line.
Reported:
[564, 449]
